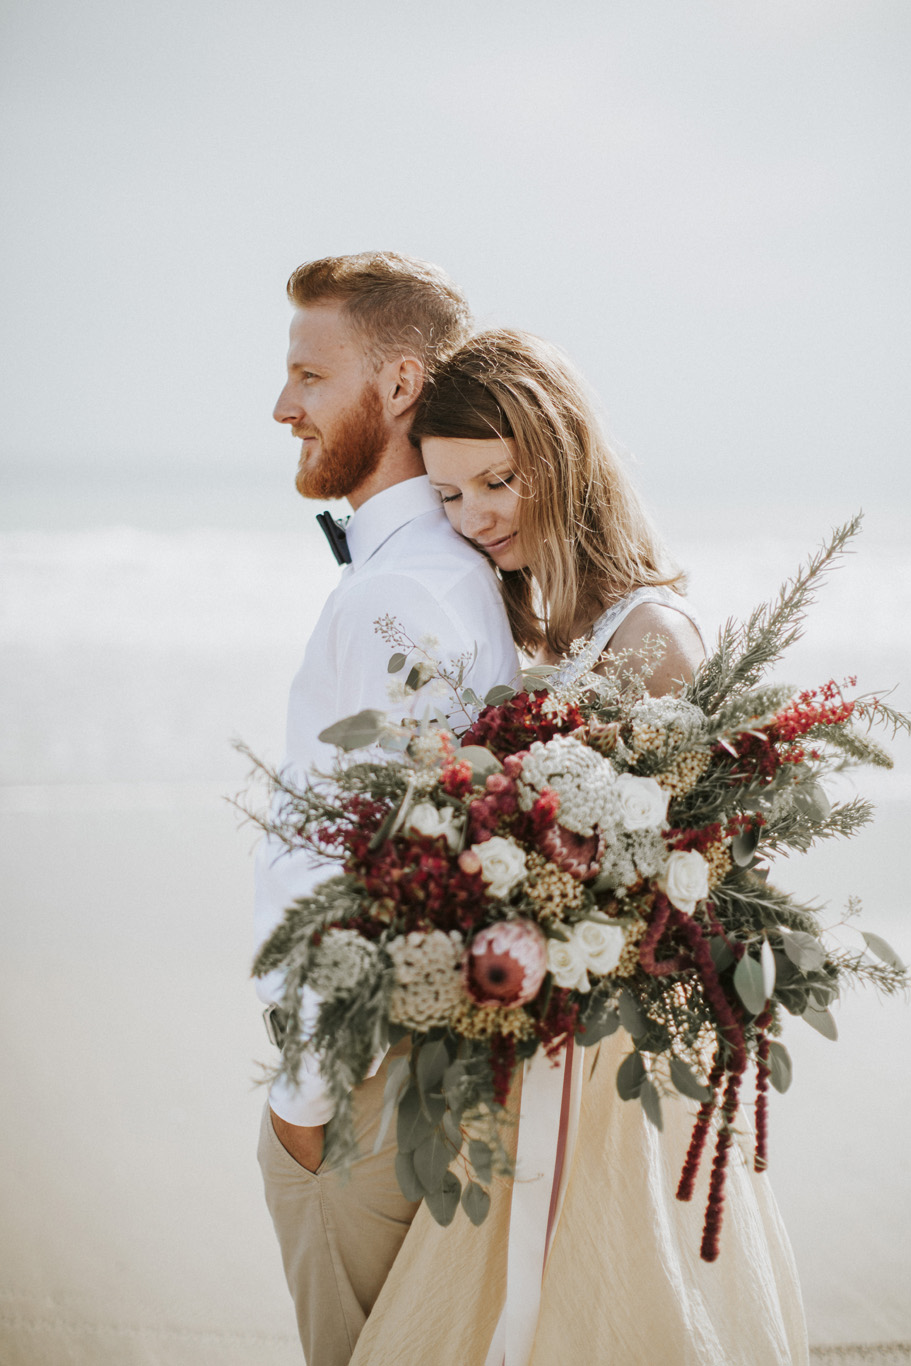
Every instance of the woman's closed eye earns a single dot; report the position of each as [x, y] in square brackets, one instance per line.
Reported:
[493, 484]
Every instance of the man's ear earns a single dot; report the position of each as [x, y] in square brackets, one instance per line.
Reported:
[405, 384]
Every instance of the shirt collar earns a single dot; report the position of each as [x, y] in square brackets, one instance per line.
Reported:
[383, 514]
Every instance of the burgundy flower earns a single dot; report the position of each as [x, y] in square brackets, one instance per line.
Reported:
[579, 855]
[505, 963]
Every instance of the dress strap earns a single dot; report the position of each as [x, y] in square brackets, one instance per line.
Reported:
[607, 624]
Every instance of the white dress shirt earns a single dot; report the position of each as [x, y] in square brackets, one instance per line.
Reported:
[407, 563]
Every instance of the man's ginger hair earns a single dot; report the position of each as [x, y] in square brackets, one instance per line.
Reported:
[399, 305]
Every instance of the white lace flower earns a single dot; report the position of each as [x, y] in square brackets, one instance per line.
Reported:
[581, 778]
[566, 961]
[428, 977]
[431, 820]
[502, 864]
[641, 803]
[341, 959]
[685, 879]
[601, 945]
[678, 722]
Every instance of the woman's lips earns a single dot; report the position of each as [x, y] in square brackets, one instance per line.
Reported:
[501, 544]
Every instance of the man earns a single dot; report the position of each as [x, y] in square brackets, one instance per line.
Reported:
[366, 332]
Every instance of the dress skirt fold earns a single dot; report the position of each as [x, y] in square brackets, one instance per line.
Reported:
[624, 1283]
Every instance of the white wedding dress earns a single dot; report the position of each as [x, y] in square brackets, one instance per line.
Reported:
[624, 1284]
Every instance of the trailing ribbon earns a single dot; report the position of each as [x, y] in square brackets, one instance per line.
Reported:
[548, 1124]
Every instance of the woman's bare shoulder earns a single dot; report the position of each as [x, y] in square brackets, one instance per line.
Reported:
[683, 652]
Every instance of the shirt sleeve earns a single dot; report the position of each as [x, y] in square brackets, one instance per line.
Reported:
[363, 654]
[359, 658]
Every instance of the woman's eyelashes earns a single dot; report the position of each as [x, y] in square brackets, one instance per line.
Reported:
[498, 484]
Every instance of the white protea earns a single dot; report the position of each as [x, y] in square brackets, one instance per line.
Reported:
[660, 722]
[342, 958]
[428, 977]
[582, 779]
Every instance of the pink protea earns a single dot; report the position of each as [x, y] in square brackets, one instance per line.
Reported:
[505, 964]
[579, 855]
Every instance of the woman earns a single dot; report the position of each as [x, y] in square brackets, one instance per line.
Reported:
[510, 441]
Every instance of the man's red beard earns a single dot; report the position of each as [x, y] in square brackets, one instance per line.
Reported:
[350, 457]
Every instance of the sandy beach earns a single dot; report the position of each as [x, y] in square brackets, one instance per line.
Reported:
[133, 1227]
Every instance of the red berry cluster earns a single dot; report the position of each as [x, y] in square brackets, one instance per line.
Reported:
[559, 1022]
[426, 886]
[516, 724]
[823, 706]
[700, 840]
[502, 1065]
[457, 778]
[486, 814]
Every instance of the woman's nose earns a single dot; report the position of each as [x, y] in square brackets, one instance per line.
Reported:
[476, 520]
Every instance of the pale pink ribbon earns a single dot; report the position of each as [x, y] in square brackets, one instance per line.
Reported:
[548, 1124]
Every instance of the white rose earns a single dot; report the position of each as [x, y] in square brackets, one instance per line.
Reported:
[601, 945]
[566, 960]
[428, 819]
[502, 864]
[685, 879]
[642, 804]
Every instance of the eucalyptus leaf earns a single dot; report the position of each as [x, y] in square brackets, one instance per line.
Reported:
[396, 1081]
[810, 800]
[822, 1020]
[413, 1124]
[396, 663]
[453, 1132]
[452, 1080]
[483, 763]
[767, 963]
[444, 1202]
[804, 950]
[536, 677]
[481, 1159]
[409, 1184]
[599, 1026]
[475, 1203]
[498, 695]
[631, 1017]
[721, 953]
[431, 1063]
[687, 1083]
[415, 678]
[651, 1103]
[743, 846]
[355, 732]
[781, 1069]
[883, 950]
[470, 697]
[432, 1159]
[748, 984]
[630, 1076]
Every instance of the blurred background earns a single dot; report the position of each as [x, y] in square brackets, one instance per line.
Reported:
[708, 206]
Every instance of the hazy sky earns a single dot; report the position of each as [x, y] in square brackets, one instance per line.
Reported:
[707, 204]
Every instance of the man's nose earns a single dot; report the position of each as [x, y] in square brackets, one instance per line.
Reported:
[286, 409]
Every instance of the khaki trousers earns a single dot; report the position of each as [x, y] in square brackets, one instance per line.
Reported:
[338, 1236]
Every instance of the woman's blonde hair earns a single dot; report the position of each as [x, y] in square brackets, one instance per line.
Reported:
[588, 540]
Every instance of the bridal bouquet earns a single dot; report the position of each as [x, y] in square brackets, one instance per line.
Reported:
[578, 858]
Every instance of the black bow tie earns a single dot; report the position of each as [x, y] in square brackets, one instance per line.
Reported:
[335, 534]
